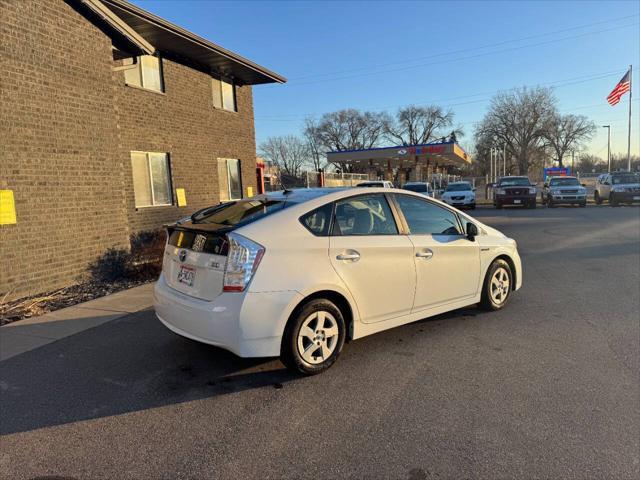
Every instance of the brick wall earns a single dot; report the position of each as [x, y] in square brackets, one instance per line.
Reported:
[183, 122]
[67, 126]
[57, 129]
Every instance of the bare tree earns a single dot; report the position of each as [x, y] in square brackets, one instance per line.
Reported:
[289, 153]
[567, 132]
[589, 163]
[347, 130]
[350, 129]
[414, 125]
[518, 120]
[314, 143]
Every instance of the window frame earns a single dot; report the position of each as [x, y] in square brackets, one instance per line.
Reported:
[220, 80]
[394, 214]
[150, 174]
[302, 217]
[239, 163]
[405, 224]
[138, 67]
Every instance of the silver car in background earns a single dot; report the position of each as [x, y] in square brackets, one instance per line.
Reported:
[617, 187]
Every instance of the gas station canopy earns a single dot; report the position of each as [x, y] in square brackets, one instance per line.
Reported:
[430, 154]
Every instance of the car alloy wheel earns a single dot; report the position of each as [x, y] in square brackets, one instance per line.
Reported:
[497, 285]
[318, 337]
[313, 337]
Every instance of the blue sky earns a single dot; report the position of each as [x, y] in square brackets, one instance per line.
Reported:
[383, 55]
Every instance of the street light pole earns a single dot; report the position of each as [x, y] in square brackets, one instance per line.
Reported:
[608, 127]
[504, 159]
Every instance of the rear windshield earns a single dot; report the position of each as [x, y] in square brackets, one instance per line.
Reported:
[622, 179]
[458, 187]
[563, 182]
[237, 214]
[371, 184]
[515, 182]
[416, 187]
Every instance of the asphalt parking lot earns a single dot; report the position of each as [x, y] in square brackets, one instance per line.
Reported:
[547, 388]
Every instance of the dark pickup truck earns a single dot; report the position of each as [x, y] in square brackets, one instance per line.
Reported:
[514, 191]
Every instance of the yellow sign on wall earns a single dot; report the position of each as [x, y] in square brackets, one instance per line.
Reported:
[7, 208]
[182, 197]
[249, 192]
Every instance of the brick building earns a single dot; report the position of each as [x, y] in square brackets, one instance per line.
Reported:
[110, 119]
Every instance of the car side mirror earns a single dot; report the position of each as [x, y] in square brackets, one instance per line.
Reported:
[473, 189]
[533, 184]
[583, 184]
[472, 231]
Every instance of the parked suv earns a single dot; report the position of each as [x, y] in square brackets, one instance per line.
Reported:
[459, 194]
[617, 187]
[297, 273]
[564, 190]
[514, 191]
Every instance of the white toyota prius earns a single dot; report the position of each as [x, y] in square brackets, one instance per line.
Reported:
[297, 273]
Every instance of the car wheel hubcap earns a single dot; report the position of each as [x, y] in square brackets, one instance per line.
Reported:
[499, 286]
[318, 337]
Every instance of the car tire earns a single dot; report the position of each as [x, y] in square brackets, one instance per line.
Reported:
[472, 206]
[497, 286]
[532, 204]
[498, 205]
[583, 205]
[612, 200]
[316, 327]
[550, 203]
[597, 198]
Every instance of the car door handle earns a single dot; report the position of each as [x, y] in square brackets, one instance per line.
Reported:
[425, 254]
[352, 255]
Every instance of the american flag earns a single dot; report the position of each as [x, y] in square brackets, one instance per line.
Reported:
[620, 89]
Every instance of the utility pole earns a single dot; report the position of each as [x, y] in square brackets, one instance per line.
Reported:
[504, 159]
[491, 165]
[573, 162]
[608, 127]
[629, 137]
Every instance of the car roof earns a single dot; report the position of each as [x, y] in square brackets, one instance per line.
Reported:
[416, 183]
[460, 183]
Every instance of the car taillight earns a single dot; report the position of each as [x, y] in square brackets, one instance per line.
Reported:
[242, 261]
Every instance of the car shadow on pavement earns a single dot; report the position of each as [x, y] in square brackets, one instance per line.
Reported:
[128, 364]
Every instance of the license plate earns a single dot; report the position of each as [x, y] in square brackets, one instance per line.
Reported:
[186, 275]
[636, 197]
[517, 201]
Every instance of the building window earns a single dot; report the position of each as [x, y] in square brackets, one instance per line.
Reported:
[146, 73]
[230, 179]
[224, 94]
[151, 179]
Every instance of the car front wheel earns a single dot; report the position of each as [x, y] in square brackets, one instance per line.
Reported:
[597, 198]
[497, 286]
[313, 338]
[612, 200]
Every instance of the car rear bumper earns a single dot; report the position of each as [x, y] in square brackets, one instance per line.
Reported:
[245, 323]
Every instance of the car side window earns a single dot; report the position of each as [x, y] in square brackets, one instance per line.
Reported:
[424, 217]
[318, 221]
[364, 215]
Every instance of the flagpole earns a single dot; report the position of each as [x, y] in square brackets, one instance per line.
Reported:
[629, 138]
